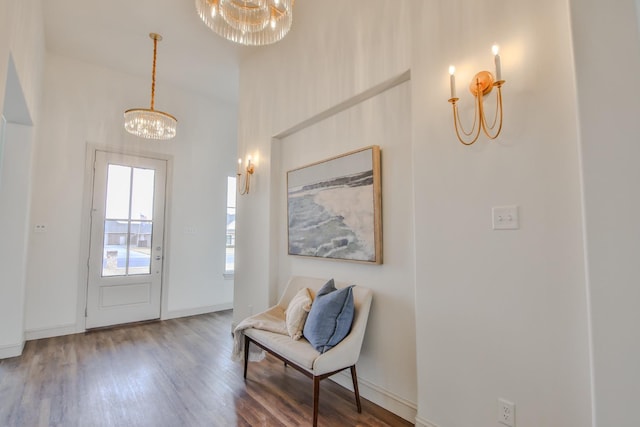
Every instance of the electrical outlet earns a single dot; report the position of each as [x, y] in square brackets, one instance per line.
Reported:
[507, 412]
[40, 228]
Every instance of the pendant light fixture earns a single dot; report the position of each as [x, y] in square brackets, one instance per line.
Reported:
[248, 22]
[150, 123]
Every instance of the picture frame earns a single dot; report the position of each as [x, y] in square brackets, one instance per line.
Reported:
[334, 208]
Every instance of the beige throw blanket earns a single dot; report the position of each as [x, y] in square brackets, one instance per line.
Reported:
[272, 320]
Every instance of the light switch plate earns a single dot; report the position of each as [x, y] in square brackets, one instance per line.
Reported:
[505, 218]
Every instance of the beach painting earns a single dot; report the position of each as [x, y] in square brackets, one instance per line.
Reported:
[335, 207]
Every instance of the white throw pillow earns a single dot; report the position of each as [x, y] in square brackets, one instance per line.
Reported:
[296, 313]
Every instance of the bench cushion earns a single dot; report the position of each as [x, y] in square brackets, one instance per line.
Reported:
[298, 352]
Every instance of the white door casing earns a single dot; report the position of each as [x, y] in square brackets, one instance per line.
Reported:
[127, 233]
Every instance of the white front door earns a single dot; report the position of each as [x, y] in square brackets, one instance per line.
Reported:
[126, 250]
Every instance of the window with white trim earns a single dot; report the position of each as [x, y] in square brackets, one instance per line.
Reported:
[231, 227]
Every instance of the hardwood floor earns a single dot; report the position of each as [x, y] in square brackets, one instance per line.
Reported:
[172, 373]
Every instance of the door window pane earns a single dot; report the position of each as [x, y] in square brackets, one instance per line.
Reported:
[114, 262]
[142, 194]
[118, 192]
[140, 247]
[128, 222]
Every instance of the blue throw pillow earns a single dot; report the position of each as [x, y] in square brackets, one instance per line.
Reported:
[330, 318]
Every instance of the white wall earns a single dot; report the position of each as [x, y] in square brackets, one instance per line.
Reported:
[15, 181]
[287, 83]
[638, 14]
[607, 56]
[83, 104]
[21, 56]
[22, 36]
[329, 59]
[503, 314]
[498, 314]
[392, 315]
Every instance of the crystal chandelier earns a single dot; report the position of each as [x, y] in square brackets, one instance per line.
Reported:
[149, 123]
[248, 22]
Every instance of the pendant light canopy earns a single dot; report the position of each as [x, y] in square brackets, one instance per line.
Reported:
[147, 122]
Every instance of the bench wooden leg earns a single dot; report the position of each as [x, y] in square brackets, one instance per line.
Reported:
[316, 399]
[246, 355]
[354, 378]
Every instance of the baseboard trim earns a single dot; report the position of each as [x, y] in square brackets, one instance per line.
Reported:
[56, 331]
[381, 397]
[420, 422]
[72, 328]
[174, 314]
[11, 350]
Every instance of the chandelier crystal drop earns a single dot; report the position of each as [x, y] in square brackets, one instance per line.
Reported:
[248, 22]
[146, 122]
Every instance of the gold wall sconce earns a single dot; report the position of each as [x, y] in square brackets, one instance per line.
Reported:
[243, 188]
[481, 85]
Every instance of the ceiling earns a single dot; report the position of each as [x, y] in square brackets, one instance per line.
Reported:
[115, 34]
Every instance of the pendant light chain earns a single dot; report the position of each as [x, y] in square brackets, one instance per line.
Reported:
[153, 72]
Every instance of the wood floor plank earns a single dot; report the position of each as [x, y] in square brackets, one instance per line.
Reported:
[171, 373]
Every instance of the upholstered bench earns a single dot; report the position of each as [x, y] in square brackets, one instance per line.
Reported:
[300, 354]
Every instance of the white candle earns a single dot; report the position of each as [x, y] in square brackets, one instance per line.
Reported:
[496, 50]
[239, 164]
[452, 80]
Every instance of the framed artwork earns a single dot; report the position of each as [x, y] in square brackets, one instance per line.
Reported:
[335, 208]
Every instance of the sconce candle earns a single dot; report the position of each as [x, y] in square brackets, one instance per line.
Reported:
[452, 80]
[496, 49]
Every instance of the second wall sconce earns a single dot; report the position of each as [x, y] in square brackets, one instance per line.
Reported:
[243, 188]
[481, 84]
